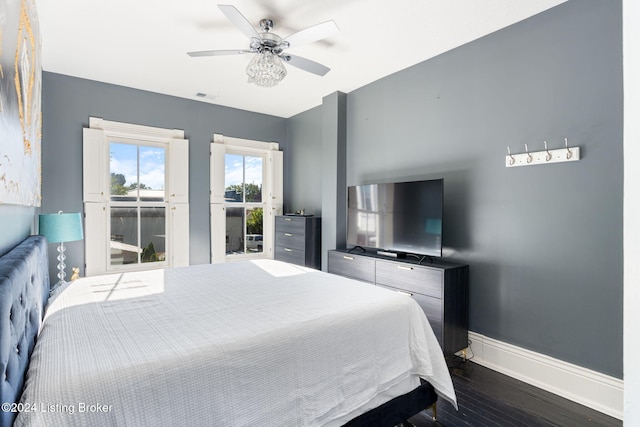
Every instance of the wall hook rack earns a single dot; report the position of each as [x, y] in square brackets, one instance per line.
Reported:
[566, 154]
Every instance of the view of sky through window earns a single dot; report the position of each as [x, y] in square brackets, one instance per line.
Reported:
[124, 161]
[234, 167]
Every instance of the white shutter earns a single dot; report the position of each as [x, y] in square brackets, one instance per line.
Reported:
[178, 186]
[274, 201]
[216, 173]
[95, 182]
[274, 171]
[218, 234]
[95, 235]
[268, 228]
[178, 177]
[179, 234]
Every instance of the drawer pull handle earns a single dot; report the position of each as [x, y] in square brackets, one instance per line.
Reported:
[288, 250]
[348, 258]
[288, 234]
[409, 294]
[287, 219]
[404, 267]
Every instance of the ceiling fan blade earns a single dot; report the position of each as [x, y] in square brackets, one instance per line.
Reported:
[219, 52]
[306, 64]
[239, 20]
[312, 34]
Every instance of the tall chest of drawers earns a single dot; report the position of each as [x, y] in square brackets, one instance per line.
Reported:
[298, 240]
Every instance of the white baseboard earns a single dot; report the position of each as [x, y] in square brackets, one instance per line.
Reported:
[584, 386]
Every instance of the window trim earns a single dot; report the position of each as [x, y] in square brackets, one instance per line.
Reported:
[97, 197]
[135, 132]
[271, 193]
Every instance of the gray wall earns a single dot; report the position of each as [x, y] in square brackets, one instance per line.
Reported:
[16, 224]
[544, 243]
[302, 163]
[67, 104]
[334, 187]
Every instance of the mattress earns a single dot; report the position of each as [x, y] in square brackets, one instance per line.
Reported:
[245, 343]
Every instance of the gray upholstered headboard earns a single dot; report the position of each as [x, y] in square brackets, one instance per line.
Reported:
[24, 291]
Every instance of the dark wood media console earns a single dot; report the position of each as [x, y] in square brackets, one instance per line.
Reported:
[441, 289]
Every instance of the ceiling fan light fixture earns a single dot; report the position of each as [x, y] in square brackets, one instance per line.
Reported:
[266, 69]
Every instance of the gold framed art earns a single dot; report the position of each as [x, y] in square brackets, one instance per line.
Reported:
[20, 103]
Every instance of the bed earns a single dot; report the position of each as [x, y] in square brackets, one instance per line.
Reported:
[245, 343]
[24, 290]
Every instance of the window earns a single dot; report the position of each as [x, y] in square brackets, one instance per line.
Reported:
[135, 184]
[246, 183]
[243, 201]
[137, 203]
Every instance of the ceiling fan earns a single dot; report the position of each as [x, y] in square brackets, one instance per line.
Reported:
[266, 68]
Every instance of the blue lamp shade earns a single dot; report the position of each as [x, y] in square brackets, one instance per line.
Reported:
[61, 227]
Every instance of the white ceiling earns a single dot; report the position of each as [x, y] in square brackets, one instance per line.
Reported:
[143, 43]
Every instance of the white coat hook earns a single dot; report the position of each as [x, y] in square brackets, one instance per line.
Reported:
[566, 145]
[549, 155]
[529, 156]
[512, 159]
[546, 156]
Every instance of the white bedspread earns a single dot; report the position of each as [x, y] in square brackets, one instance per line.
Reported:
[238, 344]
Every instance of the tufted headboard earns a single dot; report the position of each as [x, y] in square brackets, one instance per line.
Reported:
[24, 290]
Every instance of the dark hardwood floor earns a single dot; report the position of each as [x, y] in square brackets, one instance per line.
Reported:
[488, 398]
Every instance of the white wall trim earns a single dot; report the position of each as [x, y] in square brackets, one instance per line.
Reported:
[245, 143]
[631, 251]
[132, 131]
[584, 386]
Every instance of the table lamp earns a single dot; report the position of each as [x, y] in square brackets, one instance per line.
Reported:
[60, 228]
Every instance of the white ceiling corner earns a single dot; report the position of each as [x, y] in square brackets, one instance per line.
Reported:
[143, 43]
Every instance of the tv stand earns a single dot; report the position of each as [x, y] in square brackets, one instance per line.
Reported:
[357, 247]
[440, 288]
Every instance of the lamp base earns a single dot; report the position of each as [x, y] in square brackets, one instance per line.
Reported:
[61, 266]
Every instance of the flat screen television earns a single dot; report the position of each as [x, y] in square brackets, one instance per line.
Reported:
[401, 217]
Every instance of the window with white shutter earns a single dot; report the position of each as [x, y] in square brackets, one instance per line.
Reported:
[246, 195]
[136, 197]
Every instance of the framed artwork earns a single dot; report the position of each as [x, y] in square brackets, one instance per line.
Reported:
[20, 103]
